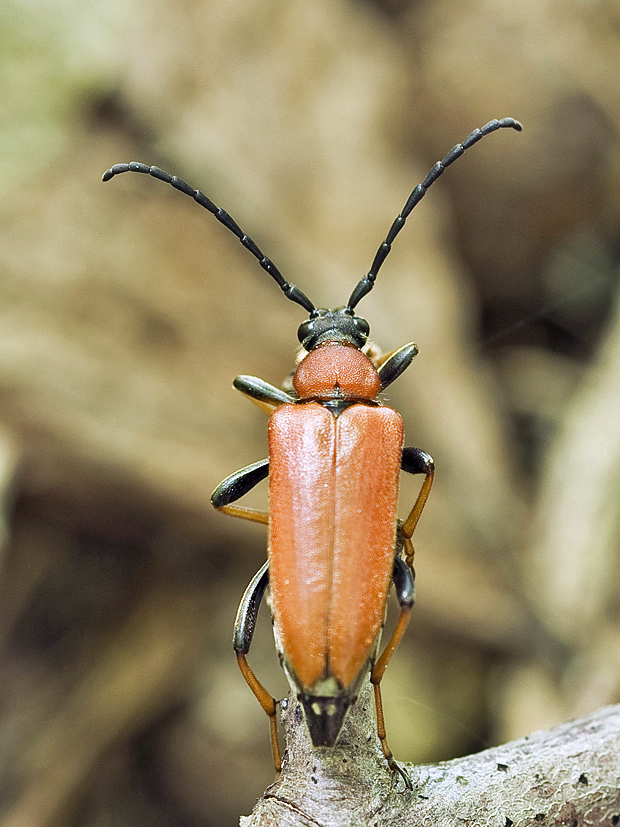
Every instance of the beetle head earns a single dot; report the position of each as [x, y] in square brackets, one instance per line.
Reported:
[340, 325]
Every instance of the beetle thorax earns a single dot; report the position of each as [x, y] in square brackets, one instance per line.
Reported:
[336, 371]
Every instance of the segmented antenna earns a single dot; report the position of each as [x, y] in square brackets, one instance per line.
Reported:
[366, 284]
[290, 291]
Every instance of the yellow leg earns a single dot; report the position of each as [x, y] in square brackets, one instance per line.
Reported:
[375, 678]
[409, 552]
[412, 520]
[408, 526]
[268, 704]
[245, 513]
[381, 665]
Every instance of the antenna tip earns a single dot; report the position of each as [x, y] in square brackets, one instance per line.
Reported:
[107, 175]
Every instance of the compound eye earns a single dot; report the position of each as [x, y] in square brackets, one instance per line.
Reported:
[305, 330]
[362, 326]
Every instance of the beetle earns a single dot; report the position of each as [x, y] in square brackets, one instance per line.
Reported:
[335, 452]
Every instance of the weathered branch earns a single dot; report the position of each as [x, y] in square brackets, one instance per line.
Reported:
[569, 775]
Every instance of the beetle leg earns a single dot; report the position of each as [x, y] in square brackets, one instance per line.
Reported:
[416, 461]
[238, 484]
[245, 623]
[395, 363]
[404, 583]
[266, 396]
[252, 514]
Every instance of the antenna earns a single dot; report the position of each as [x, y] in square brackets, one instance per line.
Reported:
[366, 284]
[290, 291]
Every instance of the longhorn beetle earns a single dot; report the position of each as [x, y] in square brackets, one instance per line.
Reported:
[335, 452]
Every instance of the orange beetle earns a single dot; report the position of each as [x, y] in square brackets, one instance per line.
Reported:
[335, 453]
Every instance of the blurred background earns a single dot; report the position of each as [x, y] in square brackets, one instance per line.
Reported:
[126, 311]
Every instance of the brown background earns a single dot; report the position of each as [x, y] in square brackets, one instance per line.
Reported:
[126, 311]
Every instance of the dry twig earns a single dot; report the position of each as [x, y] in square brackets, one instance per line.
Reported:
[564, 776]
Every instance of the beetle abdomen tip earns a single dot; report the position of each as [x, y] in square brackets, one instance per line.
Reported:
[325, 717]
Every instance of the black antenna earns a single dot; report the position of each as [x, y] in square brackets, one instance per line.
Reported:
[367, 283]
[290, 291]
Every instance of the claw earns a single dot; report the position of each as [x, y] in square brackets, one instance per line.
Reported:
[396, 769]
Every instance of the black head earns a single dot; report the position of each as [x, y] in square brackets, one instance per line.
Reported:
[325, 325]
[339, 325]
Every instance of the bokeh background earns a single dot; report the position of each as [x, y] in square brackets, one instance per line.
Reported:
[126, 311]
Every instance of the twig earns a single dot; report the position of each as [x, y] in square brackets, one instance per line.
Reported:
[569, 775]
